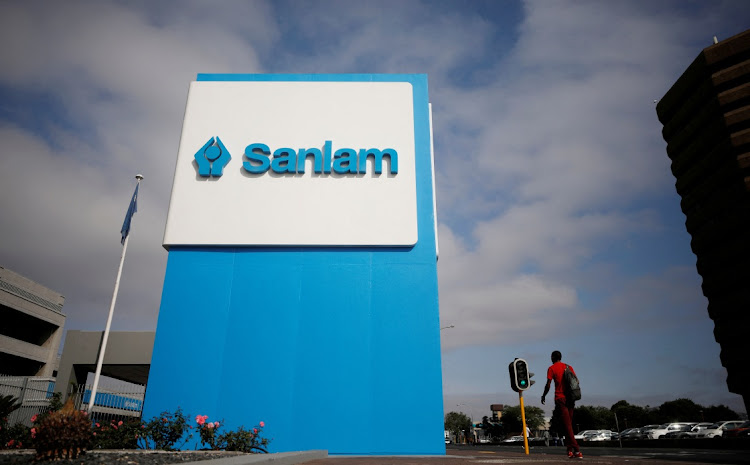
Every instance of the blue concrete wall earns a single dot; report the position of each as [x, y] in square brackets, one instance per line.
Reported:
[333, 348]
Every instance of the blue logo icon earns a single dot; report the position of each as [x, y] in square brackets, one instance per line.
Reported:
[212, 158]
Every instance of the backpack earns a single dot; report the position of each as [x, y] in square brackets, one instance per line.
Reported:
[570, 385]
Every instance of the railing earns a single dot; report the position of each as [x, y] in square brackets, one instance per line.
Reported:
[110, 403]
[33, 393]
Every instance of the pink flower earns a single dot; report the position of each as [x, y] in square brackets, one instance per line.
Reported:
[98, 425]
[262, 424]
[210, 425]
[114, 426]
[33, 419]
[164, 420]
[33, 433]
[255, 430]
[119, 423]
[200, 419]
[216, 424]
[10, 443]
[94, 433]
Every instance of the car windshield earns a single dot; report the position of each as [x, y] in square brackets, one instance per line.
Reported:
[714, 426]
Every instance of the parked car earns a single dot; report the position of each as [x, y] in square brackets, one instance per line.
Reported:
[595, 435]
[601, 435]
[514, 439]
[582, 435]
[693, 433]
[630, 433]
[663, 429]
[677, 432]
[644, 430]
[735, 432]
[717, 429]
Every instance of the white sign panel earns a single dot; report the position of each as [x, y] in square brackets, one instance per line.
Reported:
[295, 163]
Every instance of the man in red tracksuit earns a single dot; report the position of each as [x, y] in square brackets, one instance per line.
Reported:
[564, 406]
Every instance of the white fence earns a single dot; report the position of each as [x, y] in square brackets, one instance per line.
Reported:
[111, 403]
[33, 393]
[114, 402]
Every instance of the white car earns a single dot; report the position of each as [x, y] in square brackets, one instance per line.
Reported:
[717, 429]
[514, 439]
[643, 434]
[582, 435]
[693, 433]
[663, 429]
[600, 435]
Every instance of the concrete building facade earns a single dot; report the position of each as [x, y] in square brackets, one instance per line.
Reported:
[31, 328]
[127, 358]
[706, 118]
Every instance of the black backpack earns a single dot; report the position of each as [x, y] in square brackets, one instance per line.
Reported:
[570, 385]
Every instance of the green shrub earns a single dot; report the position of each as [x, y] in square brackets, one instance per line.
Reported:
[243, 440]
[17, 436]
[164, 432]
[117, 434]
[64, 434]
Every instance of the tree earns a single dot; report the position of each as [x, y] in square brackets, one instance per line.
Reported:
[719, 413]
[491, 428]
[631, 416]
[456, 422]
[589, 417]
[679, 410]
[512, 418]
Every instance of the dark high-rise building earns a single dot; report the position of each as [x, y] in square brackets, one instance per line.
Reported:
[706, 118]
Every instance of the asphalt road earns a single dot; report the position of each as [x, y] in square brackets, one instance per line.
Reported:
[614, 455]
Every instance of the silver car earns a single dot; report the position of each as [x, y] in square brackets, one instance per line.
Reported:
[717, 429]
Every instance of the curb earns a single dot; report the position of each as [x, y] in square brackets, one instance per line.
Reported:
[282, 458]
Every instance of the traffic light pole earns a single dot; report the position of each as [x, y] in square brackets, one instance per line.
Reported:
[523, 425]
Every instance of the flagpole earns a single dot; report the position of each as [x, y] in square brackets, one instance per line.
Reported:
[103, 347]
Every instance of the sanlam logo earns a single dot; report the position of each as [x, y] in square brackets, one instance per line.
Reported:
[212, 158]
[259, 159]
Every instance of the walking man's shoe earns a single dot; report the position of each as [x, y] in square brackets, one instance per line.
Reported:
[577, 455]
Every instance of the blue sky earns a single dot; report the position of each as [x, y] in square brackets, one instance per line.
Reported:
[559, 225]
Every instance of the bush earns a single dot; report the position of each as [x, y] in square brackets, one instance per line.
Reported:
[209, 431]
[117, 434]
[15, 437]
[63, 434]
[164, 432]
[244, 440]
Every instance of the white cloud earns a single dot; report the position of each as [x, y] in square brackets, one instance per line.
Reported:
[550, 164]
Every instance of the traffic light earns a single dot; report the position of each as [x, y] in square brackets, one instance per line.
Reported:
[520, 378]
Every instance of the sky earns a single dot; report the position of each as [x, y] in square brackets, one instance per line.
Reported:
[559, 224]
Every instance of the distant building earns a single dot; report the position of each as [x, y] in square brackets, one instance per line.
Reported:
[497, 412]
[31, 328]
[706, 117]
[127, 358]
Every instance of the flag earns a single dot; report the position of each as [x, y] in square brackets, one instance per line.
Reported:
[129, 215]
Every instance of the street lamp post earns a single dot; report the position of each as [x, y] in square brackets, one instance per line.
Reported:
[471, 419]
